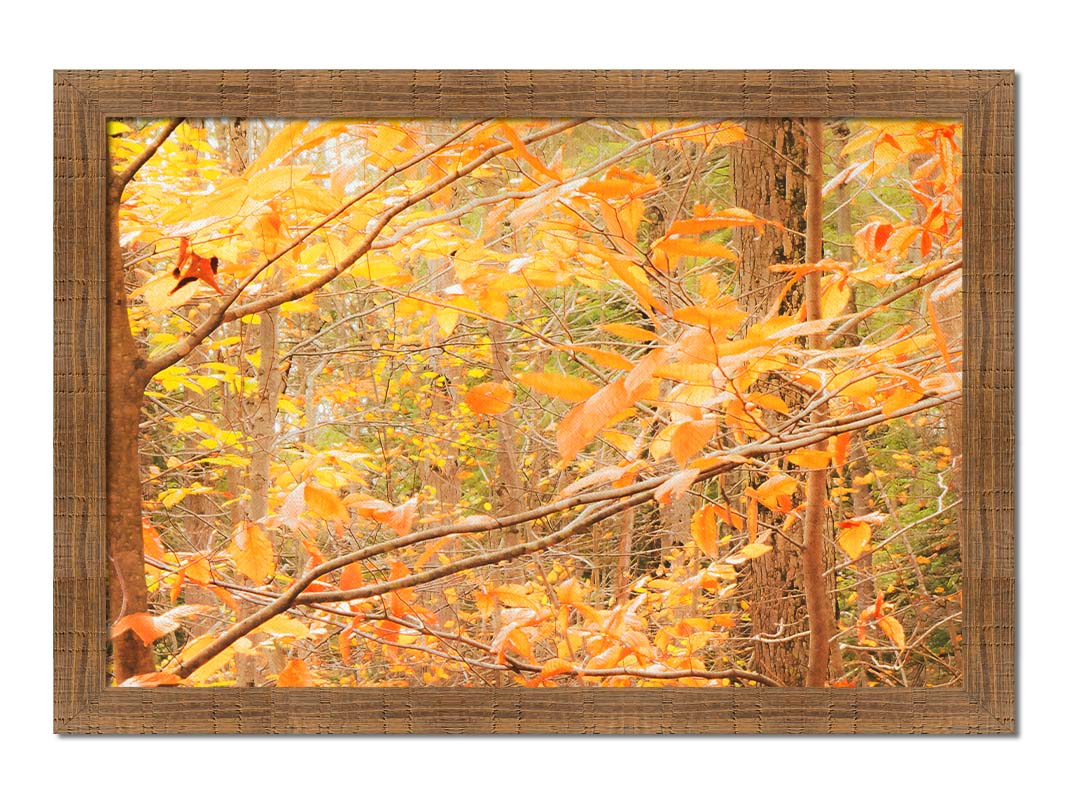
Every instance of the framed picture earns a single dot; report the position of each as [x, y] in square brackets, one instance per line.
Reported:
[534, 402]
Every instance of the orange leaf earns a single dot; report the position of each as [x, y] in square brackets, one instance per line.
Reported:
[854, 537]
[351, 577]
[840, 448]
[771, 401]
[606, 475]
[400, 518]
[296, 673]
[565, 387]
[894, 631]
[626, 331]
[555, 666]
[344, 644]
[325, 503]
[689, 439]
[150, 680]
[722, 317]
[727, 218]
[153, 544]
[149, 628]
[569, 592]
[524, 152]
[252, 552]
[704, 530]
[675, 486]
[871, 238]
[400, 600]
[489, 398]
[899, 399]
[729, 516]
[607, 659]
[694, 247]
[198, 570]
[776, 492]
[582, 422]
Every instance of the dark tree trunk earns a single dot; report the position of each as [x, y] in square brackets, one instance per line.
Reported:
[126, 381]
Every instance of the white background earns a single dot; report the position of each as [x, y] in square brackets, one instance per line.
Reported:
[544, 34]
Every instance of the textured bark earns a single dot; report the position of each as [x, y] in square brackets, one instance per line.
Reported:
[126, 381]
[769, 176]
[816, 596]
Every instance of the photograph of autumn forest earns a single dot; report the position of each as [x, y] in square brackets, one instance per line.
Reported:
[501, 402]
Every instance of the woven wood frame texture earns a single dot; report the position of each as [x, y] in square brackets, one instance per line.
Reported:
[85, 100]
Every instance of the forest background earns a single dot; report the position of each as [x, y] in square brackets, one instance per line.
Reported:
[622, 402]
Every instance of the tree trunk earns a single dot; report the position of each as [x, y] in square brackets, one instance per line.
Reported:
[816, 596]
[126, 381]
[769, 177]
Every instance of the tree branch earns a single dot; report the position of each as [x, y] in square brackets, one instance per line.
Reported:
[119, 180]
[600, 507]
[225, 311]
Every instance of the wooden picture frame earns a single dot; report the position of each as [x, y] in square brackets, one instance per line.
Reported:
[83, 103]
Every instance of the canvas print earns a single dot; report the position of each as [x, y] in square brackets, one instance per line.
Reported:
[535, 403]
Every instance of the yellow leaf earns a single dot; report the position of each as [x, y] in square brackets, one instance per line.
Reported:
[272, 182]
[252, 552]
[325, 503]
[565, 387]
[283, 626]
[213, 665]
[225, 201]
[755, 550]
[809, 459]
[157, 293]
[280, 144]
[835, 296]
